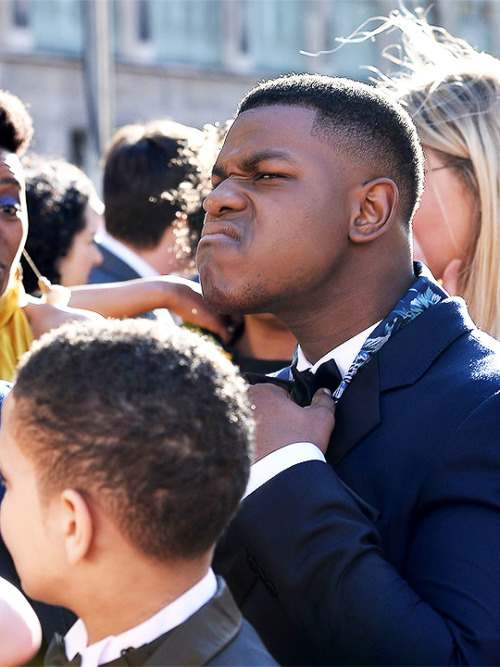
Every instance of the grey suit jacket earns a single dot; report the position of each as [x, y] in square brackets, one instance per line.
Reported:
[113, 269]
[214, 635]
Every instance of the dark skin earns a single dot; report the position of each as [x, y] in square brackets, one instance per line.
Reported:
[296, 228]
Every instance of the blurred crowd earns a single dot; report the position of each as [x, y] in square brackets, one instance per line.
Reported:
[184, 481]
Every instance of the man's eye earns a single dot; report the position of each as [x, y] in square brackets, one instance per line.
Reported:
[268, 177]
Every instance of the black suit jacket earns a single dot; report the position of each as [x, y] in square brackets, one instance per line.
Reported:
[390, 553]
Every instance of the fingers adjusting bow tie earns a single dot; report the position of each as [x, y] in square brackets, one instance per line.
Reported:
[305, 383]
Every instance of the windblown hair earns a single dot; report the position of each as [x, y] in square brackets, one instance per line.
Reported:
[57, 194]
[361, 122]
[452, 93]
[151, 423]
[153, 179]
[16, 125]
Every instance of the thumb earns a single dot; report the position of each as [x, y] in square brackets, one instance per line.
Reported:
[323, 399]
[451, 275]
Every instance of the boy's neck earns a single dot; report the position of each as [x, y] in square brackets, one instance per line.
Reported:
[131, 594]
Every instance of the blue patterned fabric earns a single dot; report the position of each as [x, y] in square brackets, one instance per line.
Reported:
[424, 293]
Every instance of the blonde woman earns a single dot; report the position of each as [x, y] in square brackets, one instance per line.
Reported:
[452, 93]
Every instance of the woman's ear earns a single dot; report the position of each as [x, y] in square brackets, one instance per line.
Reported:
[377, 206]
[78, 525]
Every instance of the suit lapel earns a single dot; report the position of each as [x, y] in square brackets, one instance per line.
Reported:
[357, 412]
[426, 337]
[203, 635]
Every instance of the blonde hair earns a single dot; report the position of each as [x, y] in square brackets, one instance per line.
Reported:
[452, 92]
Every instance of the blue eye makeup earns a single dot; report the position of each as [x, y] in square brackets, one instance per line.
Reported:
[9, 206]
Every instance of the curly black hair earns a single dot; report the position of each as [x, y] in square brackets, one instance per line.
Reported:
[57, 194]
[16, 124]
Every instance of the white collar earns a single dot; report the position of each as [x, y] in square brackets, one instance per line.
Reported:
[166, 619]
[126, 254]
[344, 354]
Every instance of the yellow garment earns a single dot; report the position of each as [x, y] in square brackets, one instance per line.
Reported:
[15, 333]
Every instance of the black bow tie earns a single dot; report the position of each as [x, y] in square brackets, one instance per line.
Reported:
[304, 384]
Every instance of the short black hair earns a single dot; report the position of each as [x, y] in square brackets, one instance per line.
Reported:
[150, 422]
[362, 122]
[57, 194]
[151, 174]
[16, 124]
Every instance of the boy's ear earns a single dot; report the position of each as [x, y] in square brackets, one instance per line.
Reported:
[78, 525]
[376, 209]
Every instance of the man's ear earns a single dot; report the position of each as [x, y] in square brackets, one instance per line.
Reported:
[377, 206]
[78, 525]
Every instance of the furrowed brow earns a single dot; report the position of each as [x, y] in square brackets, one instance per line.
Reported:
[269, 154]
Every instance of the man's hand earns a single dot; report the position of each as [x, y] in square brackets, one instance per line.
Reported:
[280, 421]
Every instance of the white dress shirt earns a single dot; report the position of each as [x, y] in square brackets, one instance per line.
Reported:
[299, 452]
[166, 619]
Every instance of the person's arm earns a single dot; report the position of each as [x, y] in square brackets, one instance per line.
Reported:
[324, 557]
[43, 317]
[133, 297]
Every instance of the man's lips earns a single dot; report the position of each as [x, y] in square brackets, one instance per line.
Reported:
[220, 230]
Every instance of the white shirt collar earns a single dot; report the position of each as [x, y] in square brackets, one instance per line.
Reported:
[166, 619]
[143, 268]
[344, 354]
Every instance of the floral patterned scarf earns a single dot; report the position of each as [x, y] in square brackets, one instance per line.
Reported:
[424, 293]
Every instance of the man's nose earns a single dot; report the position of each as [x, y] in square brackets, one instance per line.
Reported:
[227, 196]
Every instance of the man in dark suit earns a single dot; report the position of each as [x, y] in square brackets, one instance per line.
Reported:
[380, 546]
[125, 448]
[153, 182]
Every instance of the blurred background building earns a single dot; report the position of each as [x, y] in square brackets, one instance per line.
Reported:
[88, 66]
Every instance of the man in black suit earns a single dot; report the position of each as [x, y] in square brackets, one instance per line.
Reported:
[380, 546]
[153, 181]
[125, 448]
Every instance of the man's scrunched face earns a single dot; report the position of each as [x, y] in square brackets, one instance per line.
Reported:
[276, 220]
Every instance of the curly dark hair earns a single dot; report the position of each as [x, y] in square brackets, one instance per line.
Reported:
[16, 124]
[152, 423]
[57, 194]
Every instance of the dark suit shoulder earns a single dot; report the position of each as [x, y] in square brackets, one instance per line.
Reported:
[113, 269]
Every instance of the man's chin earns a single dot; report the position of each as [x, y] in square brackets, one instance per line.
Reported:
[223, 303]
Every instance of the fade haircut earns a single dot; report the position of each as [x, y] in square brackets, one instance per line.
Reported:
[362, 124]
[16, 125]
[149, 422]
[151, 176]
